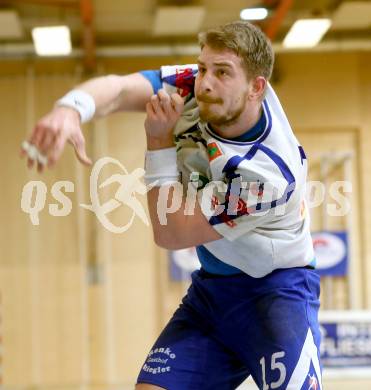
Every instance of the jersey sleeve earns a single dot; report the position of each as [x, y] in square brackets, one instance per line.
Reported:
[247, 200]
[154, 77]
[174, 79]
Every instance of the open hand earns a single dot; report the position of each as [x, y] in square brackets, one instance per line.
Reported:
[48, 138]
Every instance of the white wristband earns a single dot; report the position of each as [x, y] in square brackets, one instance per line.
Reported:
[81, 101]
[161, 167]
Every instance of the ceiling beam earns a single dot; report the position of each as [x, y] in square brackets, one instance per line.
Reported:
[275, 22]
[56, 3]
[88, 35]
[18, 50]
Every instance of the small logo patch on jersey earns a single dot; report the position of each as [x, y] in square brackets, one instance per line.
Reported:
[213, 151]
[313, 383]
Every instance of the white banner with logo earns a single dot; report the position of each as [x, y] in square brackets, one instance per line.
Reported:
[346, 342]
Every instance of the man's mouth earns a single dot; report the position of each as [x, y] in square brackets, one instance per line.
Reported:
[205, 99]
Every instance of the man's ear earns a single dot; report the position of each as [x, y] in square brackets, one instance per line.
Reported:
[257, 88]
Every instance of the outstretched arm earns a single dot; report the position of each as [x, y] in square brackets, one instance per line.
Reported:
[118, 93]
[62, 124]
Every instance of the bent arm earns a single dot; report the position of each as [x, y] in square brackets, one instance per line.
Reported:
[176, 223]
[182, 228]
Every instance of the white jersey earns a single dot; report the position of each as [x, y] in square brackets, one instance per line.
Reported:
[260, 209]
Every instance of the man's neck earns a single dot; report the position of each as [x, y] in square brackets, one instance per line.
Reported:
[245, 122]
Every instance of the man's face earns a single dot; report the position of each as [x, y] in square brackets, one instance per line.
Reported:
[221, 86]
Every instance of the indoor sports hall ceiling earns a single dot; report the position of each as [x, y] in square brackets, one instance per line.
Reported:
[98, 25]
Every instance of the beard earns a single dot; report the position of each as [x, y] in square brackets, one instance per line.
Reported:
[220, 119]
[216, 117]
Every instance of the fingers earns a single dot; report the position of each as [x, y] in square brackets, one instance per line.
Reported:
[163, 112]
[57, 150]
[49, 136]
[37, 135]
[30, 163]
[37, 146]
[40, 167]
[46, 143]
[78, 143]
[149, 109]
[156, 107]
[34, 155]
[24, 148]
[177, 103]
[162, 103]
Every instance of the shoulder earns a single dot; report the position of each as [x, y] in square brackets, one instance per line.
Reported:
[180, 79]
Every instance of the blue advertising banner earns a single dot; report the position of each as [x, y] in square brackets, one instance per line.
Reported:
[331, 251]
[346, 343]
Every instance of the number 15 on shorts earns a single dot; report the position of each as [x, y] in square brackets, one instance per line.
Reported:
[275, 365]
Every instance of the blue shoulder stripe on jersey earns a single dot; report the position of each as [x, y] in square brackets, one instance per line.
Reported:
[279, 162]
[154, 77]
[259, 208]
[302, 154]
[269, 128]
[255, 132]
[235, 161]
[230, 168]
[287, 174]
[264, 135]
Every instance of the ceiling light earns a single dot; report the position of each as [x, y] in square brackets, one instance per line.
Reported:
[52, 41]
[253, 13]
[10, 25]
[306, 33]
[175, 20]
[352, 15]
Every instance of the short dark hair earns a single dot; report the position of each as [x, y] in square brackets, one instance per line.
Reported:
[247, 41]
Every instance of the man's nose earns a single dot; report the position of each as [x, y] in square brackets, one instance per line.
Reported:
[206, 83]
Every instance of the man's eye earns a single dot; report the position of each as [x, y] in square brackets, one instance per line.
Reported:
[221, 72]
[201, 70]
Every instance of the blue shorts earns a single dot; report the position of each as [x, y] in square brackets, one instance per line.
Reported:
[230, 327]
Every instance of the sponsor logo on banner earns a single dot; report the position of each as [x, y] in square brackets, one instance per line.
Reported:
[346, 344]
[331, 251]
